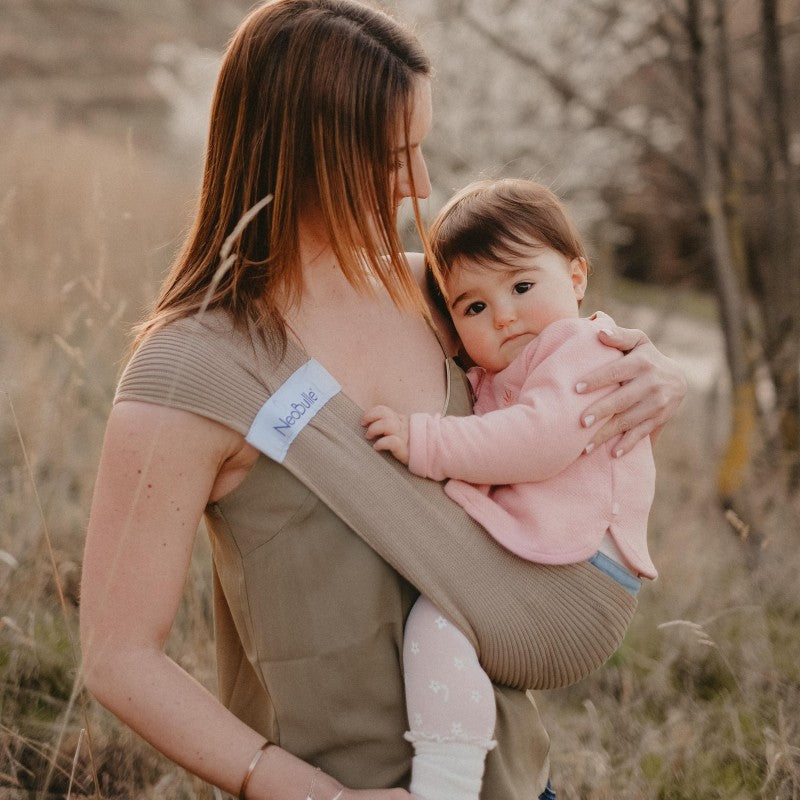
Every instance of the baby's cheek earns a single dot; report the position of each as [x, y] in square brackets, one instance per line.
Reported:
[469, 334]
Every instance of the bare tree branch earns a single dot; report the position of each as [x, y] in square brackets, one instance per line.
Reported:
[671, 9]
[601, 116]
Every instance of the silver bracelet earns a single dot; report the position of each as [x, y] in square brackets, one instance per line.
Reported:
[251, 768]
[310, 795]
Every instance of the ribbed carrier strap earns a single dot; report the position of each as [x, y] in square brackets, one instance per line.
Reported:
[534, 626]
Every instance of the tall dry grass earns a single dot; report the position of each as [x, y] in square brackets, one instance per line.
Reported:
[702, 700]
[87, 227]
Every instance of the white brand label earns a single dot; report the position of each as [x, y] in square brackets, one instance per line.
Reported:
[291, 408]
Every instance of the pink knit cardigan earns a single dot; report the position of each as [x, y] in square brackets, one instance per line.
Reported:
[517, 465]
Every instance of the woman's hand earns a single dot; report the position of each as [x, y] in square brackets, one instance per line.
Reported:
[652, 387]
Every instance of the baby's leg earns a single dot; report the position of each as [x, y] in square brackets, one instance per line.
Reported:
[451, 707]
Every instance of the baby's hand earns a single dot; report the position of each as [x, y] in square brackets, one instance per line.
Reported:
[389, 430]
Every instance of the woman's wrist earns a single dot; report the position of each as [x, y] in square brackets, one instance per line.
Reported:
[278, 775]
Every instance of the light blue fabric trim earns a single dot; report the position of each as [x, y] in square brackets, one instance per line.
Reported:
[615, 570]
[290, 408]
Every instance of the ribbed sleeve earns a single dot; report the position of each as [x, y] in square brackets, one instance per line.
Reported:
[200, 365]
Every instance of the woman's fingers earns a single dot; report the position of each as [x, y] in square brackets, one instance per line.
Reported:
[642, 360]
[650, 385]
[624, 339]
[629, 437]
[637, 409]
[628, 405]
[632, 437]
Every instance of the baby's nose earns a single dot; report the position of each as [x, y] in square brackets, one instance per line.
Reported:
[502, 317]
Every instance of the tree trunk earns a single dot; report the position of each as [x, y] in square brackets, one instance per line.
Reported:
[733, 193]
[779, 267]
[733, 478]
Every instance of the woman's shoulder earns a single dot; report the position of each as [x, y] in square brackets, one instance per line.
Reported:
[201, 363]
[203, 342]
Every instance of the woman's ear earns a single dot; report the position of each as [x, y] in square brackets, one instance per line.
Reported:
[579, 271]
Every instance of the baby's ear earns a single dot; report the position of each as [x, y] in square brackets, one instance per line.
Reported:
[579, 273]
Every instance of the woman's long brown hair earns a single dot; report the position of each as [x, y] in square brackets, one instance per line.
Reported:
[306, 110]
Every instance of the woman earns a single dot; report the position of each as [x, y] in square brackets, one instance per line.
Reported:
[323, 104]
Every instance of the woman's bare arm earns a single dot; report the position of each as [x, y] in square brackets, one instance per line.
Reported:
[158, 469]
[652, 388]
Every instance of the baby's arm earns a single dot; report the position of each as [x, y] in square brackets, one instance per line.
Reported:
[389, 430]
[534, 438]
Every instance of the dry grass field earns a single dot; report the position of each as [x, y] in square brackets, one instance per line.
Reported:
[701, 701]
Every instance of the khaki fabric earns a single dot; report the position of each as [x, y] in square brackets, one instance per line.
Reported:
[309, 615]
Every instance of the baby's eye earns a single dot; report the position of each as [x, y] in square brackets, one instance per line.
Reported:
[523, 286]
[398, 164]
[474, 308]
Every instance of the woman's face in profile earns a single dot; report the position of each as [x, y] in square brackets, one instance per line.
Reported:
[410, 173]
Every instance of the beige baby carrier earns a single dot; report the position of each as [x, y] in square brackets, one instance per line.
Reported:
[534, 626]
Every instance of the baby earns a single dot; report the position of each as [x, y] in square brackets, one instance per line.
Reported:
[512, 272]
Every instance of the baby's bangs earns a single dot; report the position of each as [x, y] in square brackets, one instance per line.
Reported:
[496, 252]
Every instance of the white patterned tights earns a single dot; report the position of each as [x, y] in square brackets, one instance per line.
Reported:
[451, 707]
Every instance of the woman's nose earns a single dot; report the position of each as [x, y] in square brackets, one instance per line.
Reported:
[422, 182]
[421, 186]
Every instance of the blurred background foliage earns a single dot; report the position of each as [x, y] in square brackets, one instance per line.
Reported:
[670, 128]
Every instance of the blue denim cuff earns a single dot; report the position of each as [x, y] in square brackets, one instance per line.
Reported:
[615, 570]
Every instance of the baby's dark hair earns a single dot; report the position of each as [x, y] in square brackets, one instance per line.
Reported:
[491, 221]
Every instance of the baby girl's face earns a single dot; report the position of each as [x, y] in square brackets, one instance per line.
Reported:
[498, 310]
